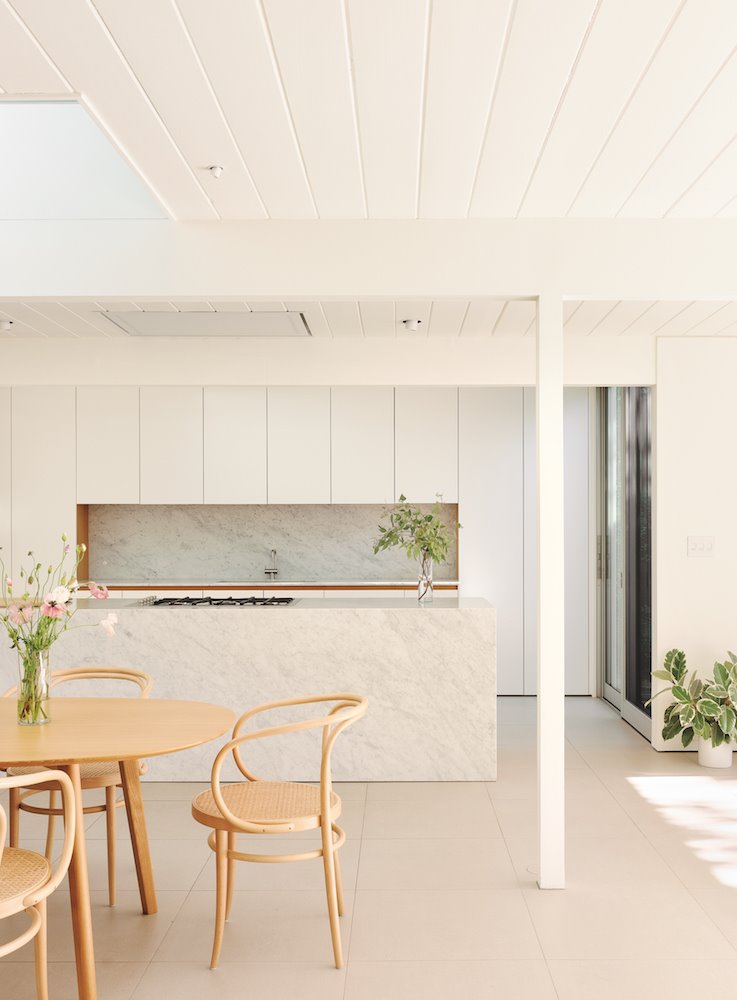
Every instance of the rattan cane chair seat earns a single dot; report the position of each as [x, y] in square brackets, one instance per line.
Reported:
[20, 873]
[266, 802]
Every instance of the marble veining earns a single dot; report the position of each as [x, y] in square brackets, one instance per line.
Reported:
[231, 542]
[430, 679]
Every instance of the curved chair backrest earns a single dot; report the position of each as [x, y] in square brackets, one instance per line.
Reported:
[346, 710]
[143, 680]
[67, 797]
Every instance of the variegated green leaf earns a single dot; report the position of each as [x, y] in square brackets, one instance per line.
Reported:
[708, 708]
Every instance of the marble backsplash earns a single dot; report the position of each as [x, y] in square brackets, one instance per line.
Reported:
[207, 543]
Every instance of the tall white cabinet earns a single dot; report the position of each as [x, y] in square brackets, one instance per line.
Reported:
[491, 541]
[108, 438]
[235, 460]
[426, 444]
[362, 444]
[43, 492]
[299, 444]
[5, 478]
[171, 444]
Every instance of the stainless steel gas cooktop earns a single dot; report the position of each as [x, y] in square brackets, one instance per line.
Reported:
[218, 602]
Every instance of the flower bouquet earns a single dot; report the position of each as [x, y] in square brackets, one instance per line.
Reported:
[36, 618]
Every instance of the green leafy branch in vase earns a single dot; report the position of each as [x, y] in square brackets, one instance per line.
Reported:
[704, 708]
[423, 536]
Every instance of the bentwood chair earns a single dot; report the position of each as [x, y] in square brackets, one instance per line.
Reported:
[105, 774]
[26, 878]
[278, 807]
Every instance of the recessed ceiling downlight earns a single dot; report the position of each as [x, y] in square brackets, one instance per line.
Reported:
[210, 324]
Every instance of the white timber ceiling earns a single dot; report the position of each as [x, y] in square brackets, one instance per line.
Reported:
[71, 318]
[381, 109]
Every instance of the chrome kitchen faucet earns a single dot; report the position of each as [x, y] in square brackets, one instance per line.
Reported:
[271, 571]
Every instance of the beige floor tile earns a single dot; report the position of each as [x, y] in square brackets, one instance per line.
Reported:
[589, 813]
[499, 980]
[639, 759]
[625, 861]
[176, 864]
[430, 817]
[676, 978]
[587, 923]
[518, 781]
[441, 793]
[263, 927]
[242, 981]
[448, 925]
[720, 905]
[121, 933]
[166, 791]
[526, 755]
[435, 864]
[115, 980]
[289, 877]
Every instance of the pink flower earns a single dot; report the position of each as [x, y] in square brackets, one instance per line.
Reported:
[49, 610]
[107, 624]
[9, 583]
[100, 593]
[27, 612]
[14, 614]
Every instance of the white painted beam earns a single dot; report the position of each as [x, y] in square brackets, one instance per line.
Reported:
[550, 602]
[613, 259]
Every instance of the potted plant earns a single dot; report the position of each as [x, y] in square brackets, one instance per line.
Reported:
[703, 708]
[422, 535]
[34, 615]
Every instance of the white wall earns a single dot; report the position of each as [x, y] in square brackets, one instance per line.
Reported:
[5, 436]
[695, 599]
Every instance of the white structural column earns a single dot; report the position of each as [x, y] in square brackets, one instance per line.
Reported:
[550, 602]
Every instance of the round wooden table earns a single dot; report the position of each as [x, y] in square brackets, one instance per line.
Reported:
[84, 730]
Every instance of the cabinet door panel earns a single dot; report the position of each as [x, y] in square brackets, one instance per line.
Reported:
[5, 547]
[235, 444]
[43, 472]
[299, 444]
[490, 505]
[362, 436]
[426, 444]
[171, 444]
[108, 431]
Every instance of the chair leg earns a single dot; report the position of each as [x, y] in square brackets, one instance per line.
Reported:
[231, 876]
[53, 797]
[110, 797]
[338, 883]
[221, 887]
[14, 815]
[328, 858]
[39, 946]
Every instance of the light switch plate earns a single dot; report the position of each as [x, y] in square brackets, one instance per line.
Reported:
[701, 546]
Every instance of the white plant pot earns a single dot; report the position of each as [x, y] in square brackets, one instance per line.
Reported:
[711, 756]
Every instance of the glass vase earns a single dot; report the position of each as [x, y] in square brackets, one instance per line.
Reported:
[34, 687]
[424, 584]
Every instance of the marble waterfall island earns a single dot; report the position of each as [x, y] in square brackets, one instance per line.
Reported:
[429, 674]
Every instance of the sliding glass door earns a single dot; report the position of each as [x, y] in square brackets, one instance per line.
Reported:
[626, 551]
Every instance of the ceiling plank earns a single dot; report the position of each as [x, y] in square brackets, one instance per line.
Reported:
[76, 39]
[184, 307]
[587, 317]
[20, 330]
[674, 81]
[653, 318]
[222, 306]
[343, 318]
[237, 55]
[312, 52]
[712, 192]
[267, 306]
[24, 66]
[75, 325]
[723, 316]
[466, 43]
[700, 139]
[481, 317]
[622, 40]
[157, 305]
[516, 318]
[90, 313]
[183, 97]
[686, 319]
[389, 75]
[378, 318]
[446, 317]
[314, 317]
[543, 44]
[620, 318]
[19, 312]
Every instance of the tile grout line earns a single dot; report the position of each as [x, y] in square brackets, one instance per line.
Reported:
[355, 889]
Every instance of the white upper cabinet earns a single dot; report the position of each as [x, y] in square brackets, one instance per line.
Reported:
[235, 444]
[362, 440]
[171, 444]
[299, 444]
[5, 476]
[108, 461]
[426, 444]
[44, 503]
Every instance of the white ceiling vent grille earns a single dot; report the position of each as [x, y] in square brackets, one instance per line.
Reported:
[210, 324]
